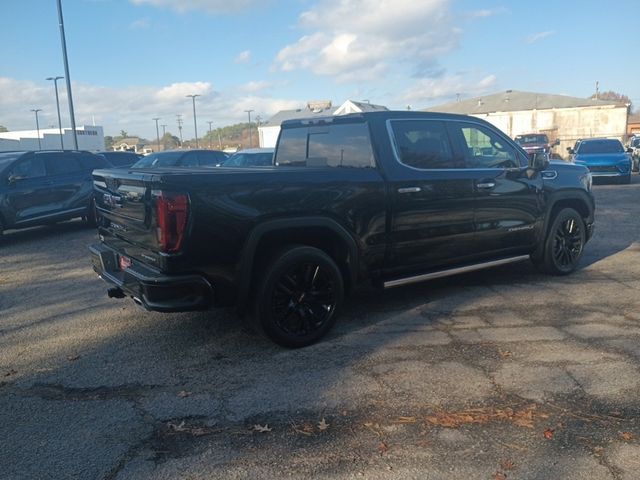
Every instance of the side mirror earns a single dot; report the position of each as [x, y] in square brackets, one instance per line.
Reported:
[629, 150]
[538, 161]
[556, 143]
[570, 150]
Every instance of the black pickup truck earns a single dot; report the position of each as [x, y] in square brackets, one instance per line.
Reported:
[389, 197]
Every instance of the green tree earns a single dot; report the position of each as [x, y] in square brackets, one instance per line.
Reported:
[3, 128]
[123, 134]
[108, 142]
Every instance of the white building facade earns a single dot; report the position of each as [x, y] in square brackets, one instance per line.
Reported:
[90, 138]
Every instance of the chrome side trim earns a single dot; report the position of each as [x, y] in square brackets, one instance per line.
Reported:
[453, 271]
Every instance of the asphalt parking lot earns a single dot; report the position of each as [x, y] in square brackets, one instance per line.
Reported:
[502, 374]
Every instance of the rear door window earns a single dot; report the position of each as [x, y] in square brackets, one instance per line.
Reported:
[424, 144]
[62, 163]
[211, 159]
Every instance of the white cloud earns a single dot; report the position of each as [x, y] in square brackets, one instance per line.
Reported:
[132, 108]
[484, 13]
[179, 91]
[535, 37]
[210, 6]
[243, 57]
[359, 39]
[447, 87]
[256, 86]
[140, 24]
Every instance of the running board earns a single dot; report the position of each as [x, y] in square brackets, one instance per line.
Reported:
[453, 271]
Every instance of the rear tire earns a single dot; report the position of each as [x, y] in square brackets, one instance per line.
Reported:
[92, 213]
[563, 245]
[298, 296]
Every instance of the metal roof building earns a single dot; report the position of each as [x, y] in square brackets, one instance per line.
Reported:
[559, 116]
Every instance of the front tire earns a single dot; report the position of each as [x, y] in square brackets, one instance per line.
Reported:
[626, 180]
[564, 244]
[298, 297]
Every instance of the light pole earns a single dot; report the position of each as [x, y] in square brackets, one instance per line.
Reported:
[195, 122]
[157, 132]
[67, 76]
[179, 117]
[249, 113]
[209, 122]
[36, 110]
[55, 85]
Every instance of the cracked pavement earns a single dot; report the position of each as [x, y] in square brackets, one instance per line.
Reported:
[505, 373]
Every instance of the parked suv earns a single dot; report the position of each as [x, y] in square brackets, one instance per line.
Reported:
[44, 187]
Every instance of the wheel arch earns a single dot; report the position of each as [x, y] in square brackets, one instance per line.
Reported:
[323, 233]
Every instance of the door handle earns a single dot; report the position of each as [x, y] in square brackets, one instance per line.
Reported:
[485, 185]
[409, 190]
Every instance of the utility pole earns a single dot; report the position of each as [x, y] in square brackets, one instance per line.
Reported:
[180, 127]
[157, 132]
[55, 85]
[209, 122]
[249, 113]
[258, 123]
[195, 122]
[36, 110]
[597, 89]
[219, 140]
[67, 76]
[164, 133]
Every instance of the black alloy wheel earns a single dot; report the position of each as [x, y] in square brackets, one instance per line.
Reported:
[564, 244]
[297, 302]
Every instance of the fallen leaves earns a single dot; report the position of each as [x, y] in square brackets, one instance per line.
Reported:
[383, 448]
[9, 373]
[627, 436]
[261, 428]
[73, 358]
[322, 425]
[195, 430]
[507, 465]
[522, 417]
[548, 433]
[184, 394]
[499, 476]
[505, 353]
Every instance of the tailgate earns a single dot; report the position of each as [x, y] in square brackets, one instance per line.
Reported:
[124, 202]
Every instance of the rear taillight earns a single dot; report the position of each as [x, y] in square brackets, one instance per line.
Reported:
[172, 210]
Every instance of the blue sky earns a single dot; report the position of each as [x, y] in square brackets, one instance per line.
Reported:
[132, 60]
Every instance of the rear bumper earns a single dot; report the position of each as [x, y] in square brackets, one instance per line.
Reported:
[150, 288]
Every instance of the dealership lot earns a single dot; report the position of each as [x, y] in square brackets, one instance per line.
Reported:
[500, 374]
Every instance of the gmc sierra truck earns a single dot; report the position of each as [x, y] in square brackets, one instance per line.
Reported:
[387, 197]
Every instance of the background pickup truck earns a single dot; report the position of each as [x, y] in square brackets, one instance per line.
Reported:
[390, 197]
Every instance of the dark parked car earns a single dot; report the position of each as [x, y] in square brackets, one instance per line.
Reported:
[634, 149]
[606, 158]
[182, 158]
[44, 187]
[121, 159]
[251, 157]
[387, 197]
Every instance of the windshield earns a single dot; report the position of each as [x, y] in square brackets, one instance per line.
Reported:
[160, 159]
[240, 159]
[532, 139]
[600, 146]
[635, 142]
